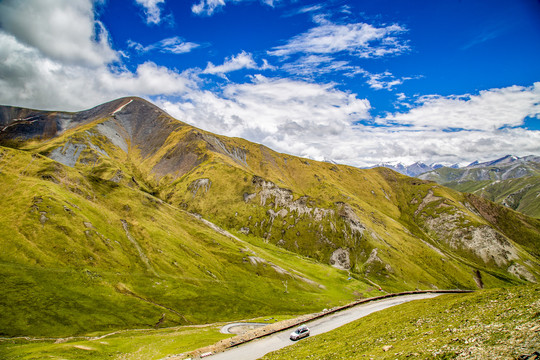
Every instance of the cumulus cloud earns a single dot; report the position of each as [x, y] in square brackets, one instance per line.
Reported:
[63, 30]
[243, 60]
[287, 115]
[489, 110]
[151, 10]
[321, 122]
[83, 72]
[360, 39]
[174, 45]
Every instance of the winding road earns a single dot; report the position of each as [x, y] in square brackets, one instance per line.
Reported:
[258, 348]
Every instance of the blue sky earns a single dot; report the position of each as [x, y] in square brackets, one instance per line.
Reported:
[356, 82]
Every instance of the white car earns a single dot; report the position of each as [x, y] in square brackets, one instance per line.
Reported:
[299, 333]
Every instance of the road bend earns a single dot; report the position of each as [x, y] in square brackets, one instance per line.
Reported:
[258, 348]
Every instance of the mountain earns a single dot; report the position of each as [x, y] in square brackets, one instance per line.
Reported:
[122, 216]
[510, 181]
[414, 169]
[507, 167]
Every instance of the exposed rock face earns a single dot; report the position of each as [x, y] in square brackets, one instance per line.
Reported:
[521, 272]
[340, 259]
[68, 154]
[28, 124]
[429, 198]
[235, 153]
[269, 190]
[455, 228]
[350, 217]
[203, 184]
[486, 243]
[512, 201]
[374, 264]
[331, 230]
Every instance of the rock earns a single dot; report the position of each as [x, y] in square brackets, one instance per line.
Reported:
[248, 197]
[42, 218]
[387, 347]
[244, 230]
[205, 184]
[340, 259]
[521, 272]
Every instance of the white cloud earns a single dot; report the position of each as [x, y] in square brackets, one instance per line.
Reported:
[63, 30]
[310, 8]
[243, 60]
[174, 45]
[385, 80]
[151, 10]
[32, 80]
[51, 59]
[321, 122]
[358, 39]
[489, 110]
[311, 65]
[291, 116]
[208, 7]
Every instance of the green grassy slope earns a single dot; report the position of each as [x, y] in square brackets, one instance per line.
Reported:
[518, 194]
[139, 344]
[488, 324]
[68, 265]
[322, 207]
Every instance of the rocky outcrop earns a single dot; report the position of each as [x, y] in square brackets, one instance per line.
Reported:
[513, 200]
[202, 184]
[350, 217]
[521, 272]
[235, 153]
[374, 264]
[458, 230]
[68, 154]
[340, 259]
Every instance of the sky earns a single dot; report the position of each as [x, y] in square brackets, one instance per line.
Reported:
[354, 82]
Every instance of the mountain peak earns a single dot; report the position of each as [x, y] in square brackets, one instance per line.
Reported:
[20, 124]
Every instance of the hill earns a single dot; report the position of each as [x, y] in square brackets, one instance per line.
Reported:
[113, 218]
[492, 324]
[510, 181]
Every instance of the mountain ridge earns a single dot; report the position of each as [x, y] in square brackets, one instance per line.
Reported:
[511, 181]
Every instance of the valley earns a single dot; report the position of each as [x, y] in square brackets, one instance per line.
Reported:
[122, 217]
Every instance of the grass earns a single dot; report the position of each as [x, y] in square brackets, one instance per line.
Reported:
[494, 324]
[68, 266]
[144, 344]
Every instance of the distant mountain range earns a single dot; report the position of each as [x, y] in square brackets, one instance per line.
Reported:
[414, 169]
[511, 181]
